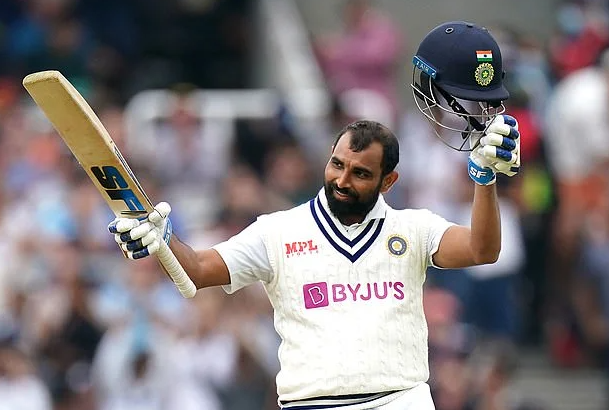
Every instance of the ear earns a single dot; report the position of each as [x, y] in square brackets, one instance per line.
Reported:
[388, 181]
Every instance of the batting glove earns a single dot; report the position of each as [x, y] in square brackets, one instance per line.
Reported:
[139, 238]
[498, 151]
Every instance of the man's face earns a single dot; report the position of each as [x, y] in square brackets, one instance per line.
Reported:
[353, 180]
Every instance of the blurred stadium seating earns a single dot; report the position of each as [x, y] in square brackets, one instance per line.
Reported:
[226, 109]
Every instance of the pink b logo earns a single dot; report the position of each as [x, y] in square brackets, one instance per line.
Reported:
[315, 295]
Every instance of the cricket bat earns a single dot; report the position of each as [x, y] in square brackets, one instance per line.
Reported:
[87, 138]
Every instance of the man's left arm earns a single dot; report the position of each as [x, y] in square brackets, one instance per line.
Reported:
[463, 246]
[497, 152]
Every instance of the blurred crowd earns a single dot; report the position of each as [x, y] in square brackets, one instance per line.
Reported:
[83, 328]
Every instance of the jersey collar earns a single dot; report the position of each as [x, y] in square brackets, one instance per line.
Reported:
[367, 231]
[377, 212]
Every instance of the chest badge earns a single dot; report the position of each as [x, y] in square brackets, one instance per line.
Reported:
[397, 245]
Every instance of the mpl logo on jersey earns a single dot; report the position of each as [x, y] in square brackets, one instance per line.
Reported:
[320, 294]
[300, 248]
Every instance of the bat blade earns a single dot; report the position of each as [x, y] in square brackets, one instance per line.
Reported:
[89, 141]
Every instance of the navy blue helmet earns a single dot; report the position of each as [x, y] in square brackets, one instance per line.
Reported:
[457, 82]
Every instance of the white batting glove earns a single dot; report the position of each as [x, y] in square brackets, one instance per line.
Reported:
[498, 151]
[139, 238]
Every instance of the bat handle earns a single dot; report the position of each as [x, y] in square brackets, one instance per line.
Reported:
[177, 273]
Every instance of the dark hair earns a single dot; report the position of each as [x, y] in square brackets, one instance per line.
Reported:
[364, 132]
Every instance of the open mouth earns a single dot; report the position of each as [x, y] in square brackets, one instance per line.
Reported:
[343, 196]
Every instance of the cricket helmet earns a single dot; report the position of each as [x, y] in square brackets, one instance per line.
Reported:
[457, 82]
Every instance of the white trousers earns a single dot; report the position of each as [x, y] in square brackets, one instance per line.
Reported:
[417, 398]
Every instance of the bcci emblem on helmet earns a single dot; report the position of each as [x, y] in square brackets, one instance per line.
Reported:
[396, 245]
[484, 74]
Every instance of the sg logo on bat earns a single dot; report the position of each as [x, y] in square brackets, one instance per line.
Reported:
[117, 187]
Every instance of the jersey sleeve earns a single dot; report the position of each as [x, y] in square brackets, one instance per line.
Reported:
[436, 227]
[246, 258]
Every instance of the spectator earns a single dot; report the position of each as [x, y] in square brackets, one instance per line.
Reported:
[207, 354]
[583, 34]
[289, 174]
[450, 342]
[439, 192]
[494, 365]
[365, 55]
[20, 386]
[491, 302]
[591, 287]
[133, 366]
[579, 159]
[60, 329]
[171, 121]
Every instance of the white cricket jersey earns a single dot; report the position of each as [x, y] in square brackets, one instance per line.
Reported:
[347, 300]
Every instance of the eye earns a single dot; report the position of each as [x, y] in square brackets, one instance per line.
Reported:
[362, 174]
[337, 164]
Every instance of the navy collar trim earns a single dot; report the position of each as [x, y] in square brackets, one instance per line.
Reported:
[337, 232]
[351, 249]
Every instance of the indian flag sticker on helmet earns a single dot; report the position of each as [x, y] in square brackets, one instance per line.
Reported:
[484, 74]
[484, 55]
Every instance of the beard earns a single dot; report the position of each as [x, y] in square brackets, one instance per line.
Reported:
[355, 206]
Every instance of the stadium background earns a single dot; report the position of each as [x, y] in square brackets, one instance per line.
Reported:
[226, 109]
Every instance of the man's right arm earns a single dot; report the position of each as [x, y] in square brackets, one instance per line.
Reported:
[235, 263]
[204, 267]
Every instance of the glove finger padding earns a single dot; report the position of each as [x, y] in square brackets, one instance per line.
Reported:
[493, 153]
[161, 211]
[501, 145]
[504, 125]
[499, 140]
[511, 121]
[120, 225]
[139, 238]
[138, 232]
[140, 243]
[160, 217]
[509, 169]
[498, 151]
[500, 128]
[147, 251]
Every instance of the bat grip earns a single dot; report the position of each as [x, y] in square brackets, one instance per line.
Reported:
[177, 273]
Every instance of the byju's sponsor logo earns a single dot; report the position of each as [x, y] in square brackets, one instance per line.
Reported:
[320, 294]
[315, 295]
[300, 248]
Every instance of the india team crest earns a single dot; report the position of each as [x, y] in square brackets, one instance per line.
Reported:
[484, 74]
[397, 245]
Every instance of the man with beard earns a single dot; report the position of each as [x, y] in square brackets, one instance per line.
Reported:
[344, 271]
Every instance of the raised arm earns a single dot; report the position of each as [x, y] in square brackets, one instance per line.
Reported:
[204, 267]
[241, 259]
[476, 245]
[499, 151]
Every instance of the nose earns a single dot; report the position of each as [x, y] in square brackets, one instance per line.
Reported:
[343, 180]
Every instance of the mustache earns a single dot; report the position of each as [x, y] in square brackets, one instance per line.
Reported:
[345, 191]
